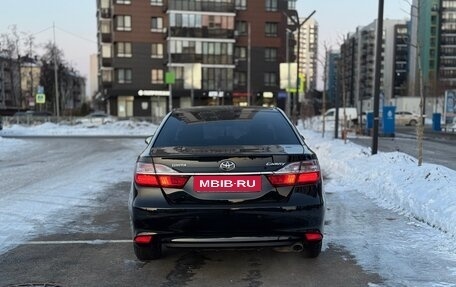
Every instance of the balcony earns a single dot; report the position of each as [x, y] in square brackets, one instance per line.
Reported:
[204, 59]
[204, 32]
[105, 13]
[106, 37]
[209, 6]
[106, 62]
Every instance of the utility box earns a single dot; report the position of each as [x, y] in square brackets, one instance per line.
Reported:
[436, 122]
[369, 122]
[388, 121]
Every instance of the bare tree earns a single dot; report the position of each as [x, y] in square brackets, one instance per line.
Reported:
[324, 63]
[415, 11]
[10, 47]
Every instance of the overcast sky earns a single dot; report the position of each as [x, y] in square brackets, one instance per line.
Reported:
[75, 21]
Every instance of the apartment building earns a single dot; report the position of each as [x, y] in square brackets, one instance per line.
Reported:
[357, 64]
[30, 79]
[160, 54]
[331, 85]
[308, 54]
[10, 89]
[433, 38]
[447, 49]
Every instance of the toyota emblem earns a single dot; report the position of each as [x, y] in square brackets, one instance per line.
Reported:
[227, 165]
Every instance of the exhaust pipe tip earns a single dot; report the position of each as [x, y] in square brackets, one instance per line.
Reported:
[297, 247]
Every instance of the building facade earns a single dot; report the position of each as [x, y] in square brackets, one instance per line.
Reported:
[308, 54]
[30, 79]
[447, 48]
[10, 86]
[155, 55]
[432, 51]
[357, 64]
[331, 85]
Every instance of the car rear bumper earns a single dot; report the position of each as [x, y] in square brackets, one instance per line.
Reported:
[229, 227]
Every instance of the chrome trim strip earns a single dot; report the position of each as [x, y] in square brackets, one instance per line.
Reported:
[232, 239]
[226, 173]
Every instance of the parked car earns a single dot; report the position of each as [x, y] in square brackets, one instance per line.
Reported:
[226, 177]
[31, 117]
[96, 118]
[405, 118]
[1, 122]
[32, 114]
[347, 113]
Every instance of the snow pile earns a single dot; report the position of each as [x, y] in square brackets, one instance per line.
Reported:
[394, 180]
[127, 127]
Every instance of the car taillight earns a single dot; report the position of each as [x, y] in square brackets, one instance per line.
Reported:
[148, 174]
[143, 239]
[172, 181]
[296, 173]
[313, 236]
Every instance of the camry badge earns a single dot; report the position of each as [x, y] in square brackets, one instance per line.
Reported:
[227, 165]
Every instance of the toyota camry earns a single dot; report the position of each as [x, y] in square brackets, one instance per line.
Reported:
[226, 177]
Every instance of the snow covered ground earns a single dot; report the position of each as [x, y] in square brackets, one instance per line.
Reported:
[426, 194]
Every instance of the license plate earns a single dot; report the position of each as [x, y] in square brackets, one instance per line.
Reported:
[235, 183]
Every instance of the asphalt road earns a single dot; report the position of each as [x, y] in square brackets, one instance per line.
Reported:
[438, 148]
[95, 249]
[80, 258]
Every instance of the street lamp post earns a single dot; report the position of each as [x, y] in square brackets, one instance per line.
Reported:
[378, 62]
[249, 63]
[287, 103]
[295, 97]
[56, 79]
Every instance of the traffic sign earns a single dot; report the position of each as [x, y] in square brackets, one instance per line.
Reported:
[40, 98]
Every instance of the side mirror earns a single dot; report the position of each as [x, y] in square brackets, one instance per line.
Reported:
[148, 139]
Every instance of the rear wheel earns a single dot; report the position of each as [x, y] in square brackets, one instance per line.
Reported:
[147, 252]
[413, 123]
[312, 249]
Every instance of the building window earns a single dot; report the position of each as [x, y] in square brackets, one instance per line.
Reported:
[271, 29]
[241, 4]
[106, 51]
[124, 2]
[105, 27]
[240, 53]
[271, 5]
[123, 76]
[270, 55]
[123, 49]
[156, 24]
[156, 2]
[106, 75]
[123, 23]
[156, 50]
[156, 76]
[240, 79]
[179, 77]
[217, 79]
[241, 28]
[105, 4]
[270, 79]
[292, 4]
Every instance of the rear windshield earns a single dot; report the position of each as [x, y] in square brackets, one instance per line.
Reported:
[262, 128]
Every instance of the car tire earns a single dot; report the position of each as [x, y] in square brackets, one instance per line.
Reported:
[147, 252]
[313, 249]
[413, 123]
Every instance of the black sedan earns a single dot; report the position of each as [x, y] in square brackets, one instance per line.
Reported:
[216, 177]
